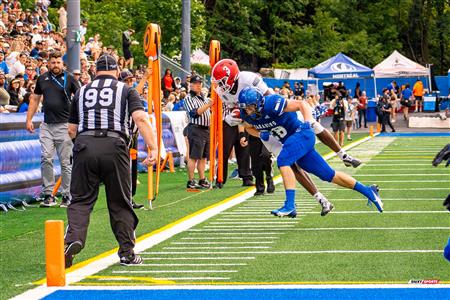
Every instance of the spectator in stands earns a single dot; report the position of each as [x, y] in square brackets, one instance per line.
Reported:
[62, 16]
[19, 65]
[23, 106]
[362, 109]
[92, 71]
[4, 95]
[418, 95]
[83, 29]
[85, 78]
[179, 106]
[77, 76]
[3, 65]
[14, 92]
[167, 83]
[171, 102]
[126, 47]
[122, 63]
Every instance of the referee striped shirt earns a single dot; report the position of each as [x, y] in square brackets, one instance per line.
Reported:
[105, 103]
[193, 102]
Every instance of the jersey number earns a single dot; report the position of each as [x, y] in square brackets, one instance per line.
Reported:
[279, 132]
[92, 96]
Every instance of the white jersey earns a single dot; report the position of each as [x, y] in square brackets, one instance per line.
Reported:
[245, 79]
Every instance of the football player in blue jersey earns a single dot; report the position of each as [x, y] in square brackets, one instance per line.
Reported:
[276, 116]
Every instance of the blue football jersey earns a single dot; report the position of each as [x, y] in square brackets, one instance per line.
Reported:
[274, 120]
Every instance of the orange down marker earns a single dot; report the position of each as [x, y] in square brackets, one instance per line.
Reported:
[54, 253]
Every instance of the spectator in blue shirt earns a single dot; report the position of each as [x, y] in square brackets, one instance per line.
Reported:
[179, 106]
[3, 66]
[406, 100]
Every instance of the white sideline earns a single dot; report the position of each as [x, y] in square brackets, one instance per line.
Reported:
[103, 263]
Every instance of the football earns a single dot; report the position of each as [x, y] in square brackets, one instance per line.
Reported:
[236, 113]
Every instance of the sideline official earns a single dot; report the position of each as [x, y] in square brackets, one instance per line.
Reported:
[100, 113]
[199, 114]
[56, 87]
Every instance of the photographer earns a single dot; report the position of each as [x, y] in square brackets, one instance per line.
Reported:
[339, 106]
[385, 109]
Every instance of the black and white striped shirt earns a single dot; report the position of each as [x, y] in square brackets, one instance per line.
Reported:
[193, 102]
[105, 103]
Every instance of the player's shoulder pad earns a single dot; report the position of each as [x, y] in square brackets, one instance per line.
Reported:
[274, 105]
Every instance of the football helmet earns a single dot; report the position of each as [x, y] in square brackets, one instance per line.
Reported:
[224, 75]
[251, 96]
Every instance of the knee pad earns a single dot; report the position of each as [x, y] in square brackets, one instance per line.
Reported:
[317, 127]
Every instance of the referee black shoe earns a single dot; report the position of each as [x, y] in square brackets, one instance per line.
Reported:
[49, 201]
[70, 251]
[132, 259]
[135, 205]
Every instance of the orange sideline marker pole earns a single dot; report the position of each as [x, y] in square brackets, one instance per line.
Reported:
[57, 185]
[216, 130]
[371, 130]
[171, 164]
[54, 253]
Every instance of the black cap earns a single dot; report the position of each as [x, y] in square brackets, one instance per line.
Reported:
[106, 63]
[196, 78]
[125, 75]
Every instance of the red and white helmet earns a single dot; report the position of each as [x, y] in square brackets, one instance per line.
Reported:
[224, 75]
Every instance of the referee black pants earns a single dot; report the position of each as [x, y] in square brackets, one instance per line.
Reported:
[261, 162]
[97, 160]
[230, 139]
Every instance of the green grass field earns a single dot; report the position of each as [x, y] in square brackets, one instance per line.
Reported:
[247, 244]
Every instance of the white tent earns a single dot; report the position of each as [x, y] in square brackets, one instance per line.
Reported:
[397, 65]
[199, 57]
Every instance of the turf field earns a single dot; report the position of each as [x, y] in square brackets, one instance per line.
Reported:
[246, 245]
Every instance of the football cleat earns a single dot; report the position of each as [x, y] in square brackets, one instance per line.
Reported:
[326, 208]
[70, 251]
[285, 212]
[351, 161]
[377, 201]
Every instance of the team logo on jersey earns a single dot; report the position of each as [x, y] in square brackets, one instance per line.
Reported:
[342, 67]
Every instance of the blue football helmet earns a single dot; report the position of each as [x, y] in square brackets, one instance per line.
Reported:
[251, 96]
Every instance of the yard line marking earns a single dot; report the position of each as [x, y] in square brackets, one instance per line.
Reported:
[391, 199]
[192, 278]
[367, 168]
[240, 229]
[288, 222]
[231, 238]
[386, 212]
[248, 226]
[189, 265]
[364, 165]
[370, 228]
[197, 258]
[220, 243]
[410, 181]
[389, 189]
[236, 233]
[217, 248]
[172, 271]
[392, 175]
[307, 252]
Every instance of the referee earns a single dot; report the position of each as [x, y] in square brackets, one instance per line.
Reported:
[199, 113]
[100, 112]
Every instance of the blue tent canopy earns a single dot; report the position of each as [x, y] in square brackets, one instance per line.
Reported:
[340, 66]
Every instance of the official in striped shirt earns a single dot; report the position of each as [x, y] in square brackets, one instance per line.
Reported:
[100, 113]
[199, 114]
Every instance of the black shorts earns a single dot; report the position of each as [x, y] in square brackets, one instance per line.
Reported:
[338, 126]
[418, 98]
[127, 53]
[198, 138]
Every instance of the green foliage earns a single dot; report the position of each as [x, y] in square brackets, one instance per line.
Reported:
[290, 33]
[201, 69]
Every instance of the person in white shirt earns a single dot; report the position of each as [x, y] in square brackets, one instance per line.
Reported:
[19, 66]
